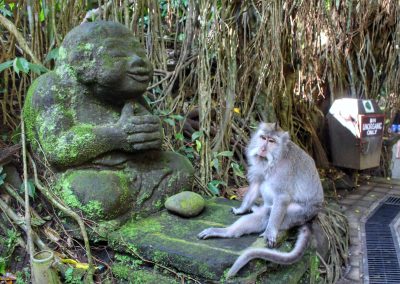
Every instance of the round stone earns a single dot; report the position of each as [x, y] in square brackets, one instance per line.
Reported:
[186, 204]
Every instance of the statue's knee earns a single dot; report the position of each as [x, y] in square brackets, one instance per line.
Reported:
[182, 171]
[100, 194]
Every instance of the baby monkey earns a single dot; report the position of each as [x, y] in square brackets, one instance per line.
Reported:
[286, 178]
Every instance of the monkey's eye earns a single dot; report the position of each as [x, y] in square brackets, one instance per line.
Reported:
[263, 137]
[271, 140]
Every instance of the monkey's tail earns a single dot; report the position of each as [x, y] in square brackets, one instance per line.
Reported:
[274, 255]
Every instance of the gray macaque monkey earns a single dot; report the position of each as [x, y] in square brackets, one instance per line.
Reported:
[286, 178]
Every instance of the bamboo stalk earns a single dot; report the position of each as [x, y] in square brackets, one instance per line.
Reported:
[21, 223]
[31, 249]
[20, 39]
[12, 191]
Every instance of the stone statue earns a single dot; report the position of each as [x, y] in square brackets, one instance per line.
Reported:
[89, 119]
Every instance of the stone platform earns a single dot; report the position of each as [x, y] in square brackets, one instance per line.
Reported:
[172, 241]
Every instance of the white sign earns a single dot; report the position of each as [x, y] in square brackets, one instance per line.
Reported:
[368, 106]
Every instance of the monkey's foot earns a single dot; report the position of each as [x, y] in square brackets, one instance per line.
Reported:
[212, 233]
[271, 239]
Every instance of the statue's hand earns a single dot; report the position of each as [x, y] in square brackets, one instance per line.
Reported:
[139, 132]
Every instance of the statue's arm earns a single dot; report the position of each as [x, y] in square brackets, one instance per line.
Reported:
[66, 143]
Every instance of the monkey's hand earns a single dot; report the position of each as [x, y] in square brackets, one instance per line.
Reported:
[214, 232]
[139, 132]
[270, 238]
[240, 210]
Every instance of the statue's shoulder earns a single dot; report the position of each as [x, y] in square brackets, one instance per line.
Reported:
[47, 90]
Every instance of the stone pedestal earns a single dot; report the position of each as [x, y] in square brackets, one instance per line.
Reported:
[171, 241]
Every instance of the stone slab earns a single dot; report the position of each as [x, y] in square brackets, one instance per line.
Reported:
[172, 241]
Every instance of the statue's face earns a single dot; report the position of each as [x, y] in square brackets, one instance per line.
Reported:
[123, 70]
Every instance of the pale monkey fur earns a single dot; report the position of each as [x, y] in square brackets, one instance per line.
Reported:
[286, 178]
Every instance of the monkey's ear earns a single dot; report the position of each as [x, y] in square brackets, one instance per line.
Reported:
[262, 125]
[285, 137]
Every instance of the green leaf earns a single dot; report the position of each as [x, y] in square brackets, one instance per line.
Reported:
[170, 121]
[164, 112]
[53, 54]
[237, 170]
[179, 136]
[214, 190]
[198, 145]
[187, 151]
[215, 164]
[2, 175]
[41, 15]
[2, 178]
[314, 269]
[181, 37]
[15, 66]
[38, 69]
[213, 186]
[31, 188]
[177, 117]
[16, 135]
[225, 154]
[3, 265]
[4, 11]
[196, 135]
[21, 64]
[6, 65]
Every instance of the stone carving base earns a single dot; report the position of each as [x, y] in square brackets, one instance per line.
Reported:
[171, 241]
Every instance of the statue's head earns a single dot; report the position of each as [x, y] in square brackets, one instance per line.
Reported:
[108, 59]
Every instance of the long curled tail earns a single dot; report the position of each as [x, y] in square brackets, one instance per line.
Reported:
[274, 255]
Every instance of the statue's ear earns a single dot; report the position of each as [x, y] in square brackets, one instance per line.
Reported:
[85, 74]
[84, 65]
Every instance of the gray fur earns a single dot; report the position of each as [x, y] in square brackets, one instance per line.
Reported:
[288, 181]
[274, 255]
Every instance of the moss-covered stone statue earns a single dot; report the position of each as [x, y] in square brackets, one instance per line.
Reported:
[89, 119]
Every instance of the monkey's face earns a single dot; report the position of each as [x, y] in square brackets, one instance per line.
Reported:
[267, 143]
[264, 145]
[123, 70]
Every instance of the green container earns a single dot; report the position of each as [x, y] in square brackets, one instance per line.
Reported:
[43, 272]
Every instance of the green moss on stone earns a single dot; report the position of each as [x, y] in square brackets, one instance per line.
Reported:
[186, 203]
[158, 204]
[65, 191]
[160, 257]
[124, 177]
[62, 53]
[65, 72]
[121, 271]
[66, 147]
[93, 210]
[149, 225]
[143, 197]
[173, 179]
[136, 276]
